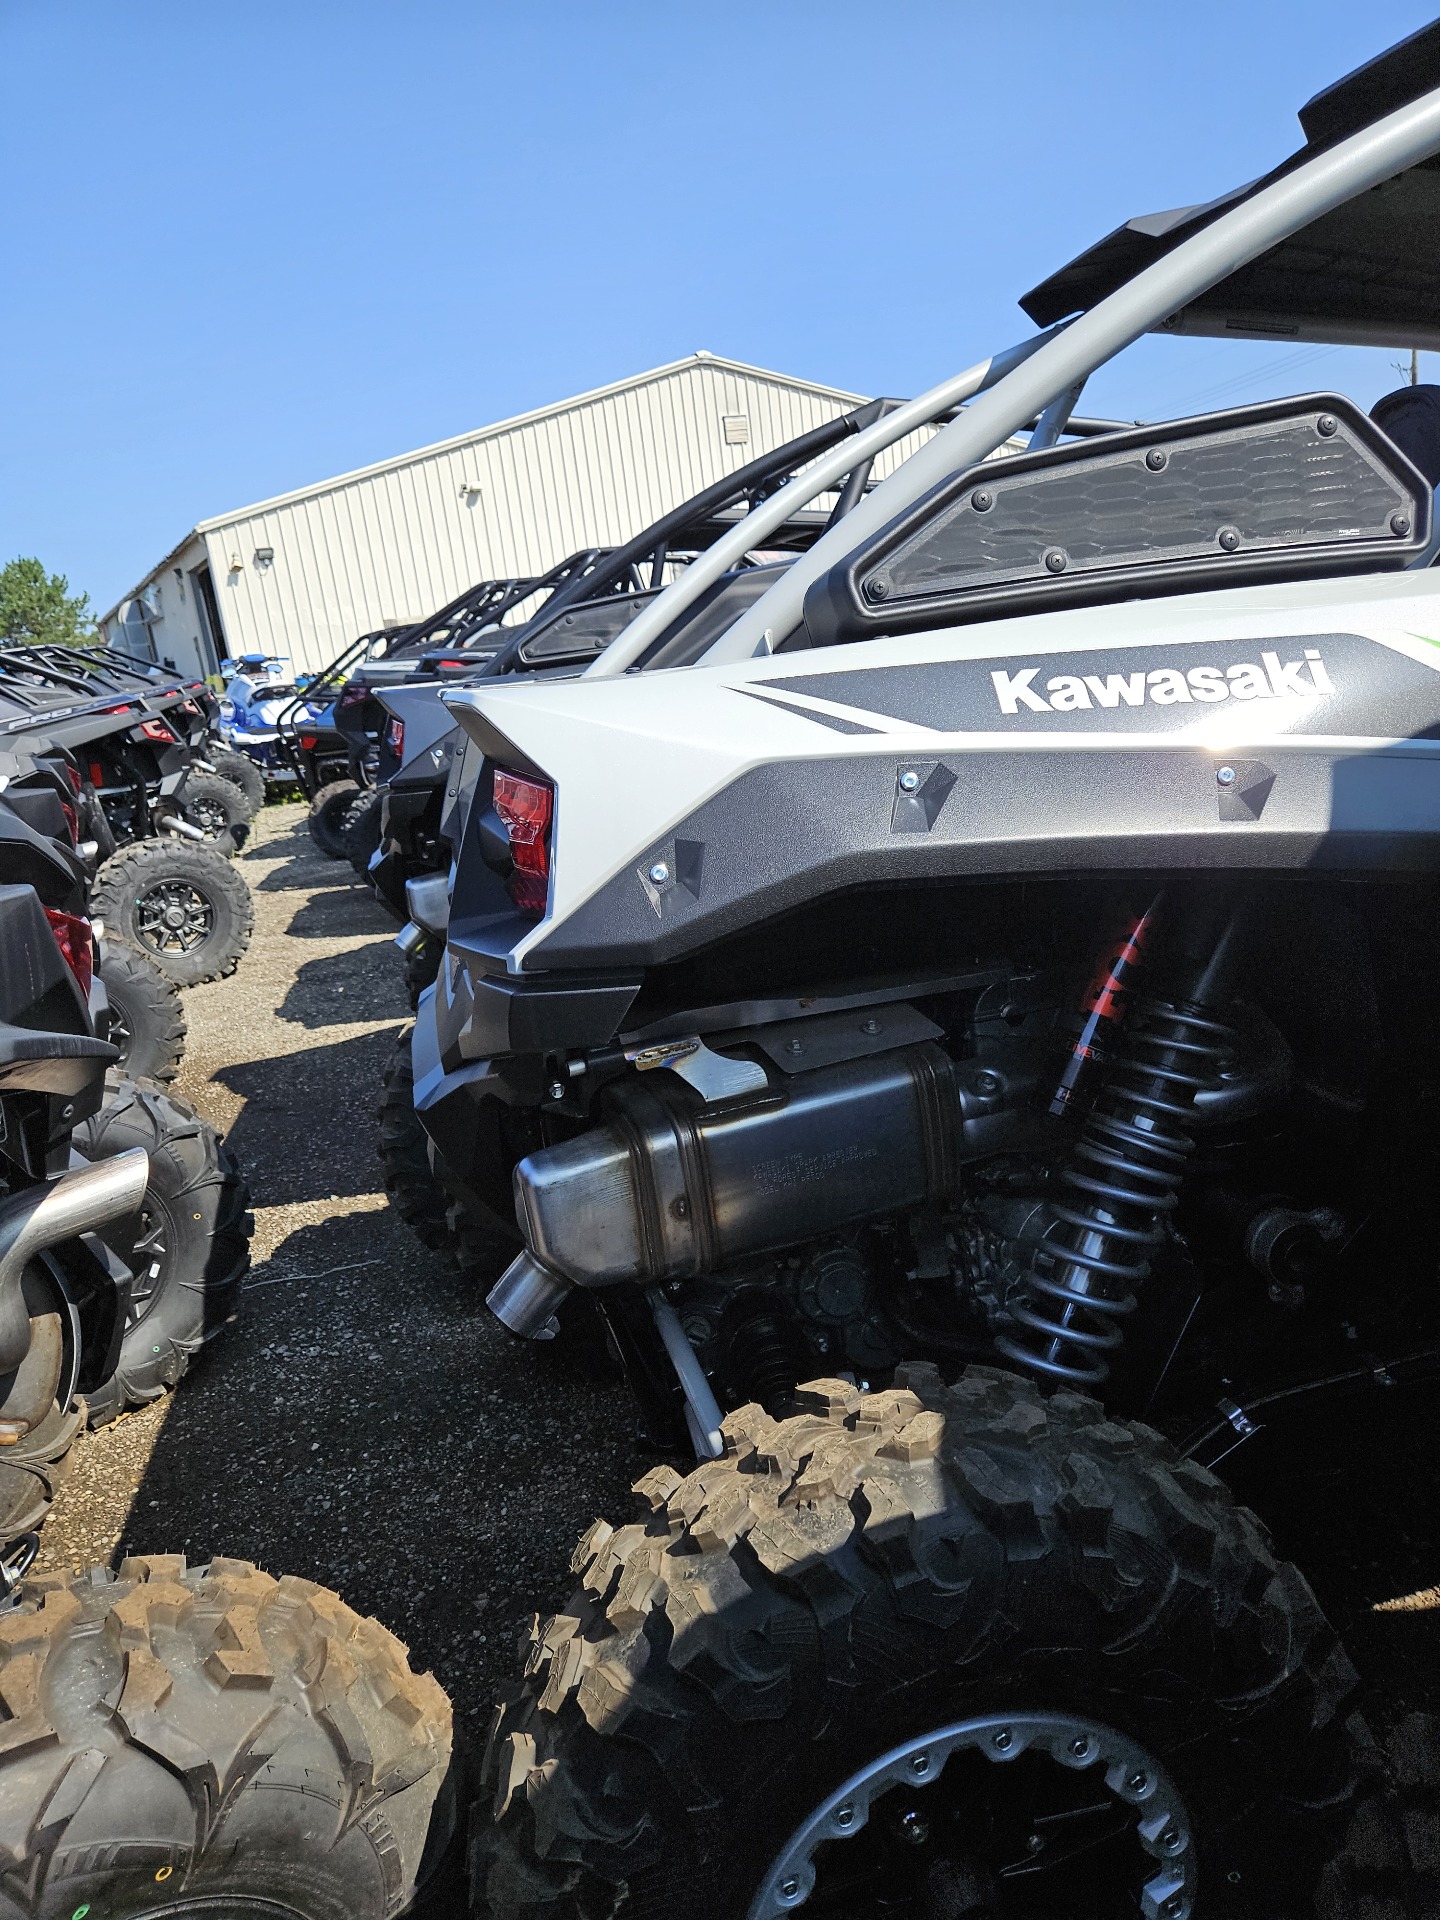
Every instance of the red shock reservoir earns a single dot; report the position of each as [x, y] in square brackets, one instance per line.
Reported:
[1106, 1001]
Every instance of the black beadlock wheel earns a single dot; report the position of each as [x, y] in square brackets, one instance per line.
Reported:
[191, 1251]
[934, 1650]
[183, 905]
[242, 770]
[441, 1222]
[209, 1740]
[147, 1019]
[218, 808]
[361, 829]
[327, 816]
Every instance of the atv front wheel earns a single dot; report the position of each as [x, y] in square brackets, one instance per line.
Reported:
[209, 1740]
[192, 1250]
[327, 816]
[218, 808]
[182, 904]
[147, 1022]
[242, 770]
[935, 1651]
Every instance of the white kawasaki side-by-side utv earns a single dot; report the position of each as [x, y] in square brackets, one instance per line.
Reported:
[984, 1005]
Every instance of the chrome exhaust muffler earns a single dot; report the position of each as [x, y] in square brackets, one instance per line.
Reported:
[40, 1217]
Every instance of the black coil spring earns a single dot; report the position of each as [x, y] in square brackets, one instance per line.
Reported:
[1123, 1177]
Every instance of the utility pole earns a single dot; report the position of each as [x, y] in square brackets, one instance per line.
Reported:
[1414, 366]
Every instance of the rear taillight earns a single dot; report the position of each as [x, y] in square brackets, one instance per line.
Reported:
[76, 944]
[523, 806]
[157, 730]
[72, 774]
[309, 742]
[395, 738]
[72, 822]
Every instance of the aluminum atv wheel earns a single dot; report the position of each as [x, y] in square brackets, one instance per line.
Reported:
[218, 808]
[242, 771]
[931, 1652]
[327, 816]
[210, 1741]
[190, 1250]
[184, 905]
[147, 1021]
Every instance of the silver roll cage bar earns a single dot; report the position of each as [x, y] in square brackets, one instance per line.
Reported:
[1041, 376]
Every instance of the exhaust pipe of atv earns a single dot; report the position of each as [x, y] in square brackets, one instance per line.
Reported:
[41, 1217]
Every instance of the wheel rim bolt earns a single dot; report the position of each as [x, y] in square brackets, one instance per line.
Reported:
[1138, 1782]
[789, 1888]
[1004, 1740]
[1170, 1840]
[845, 1816]
[920, 1764]
[1080, 1747]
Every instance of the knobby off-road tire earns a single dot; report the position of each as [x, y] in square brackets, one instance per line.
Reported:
[135, 887]
[361, 829]
[1389, 1865]
[327, 816]
[469, 1243]
[34, 1467]
[208, 1739]
[147, 1020]
[192, 1250]
[242, 770]
[861, 1575]
[219, 809]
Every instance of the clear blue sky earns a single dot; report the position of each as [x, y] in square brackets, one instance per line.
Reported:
[249, 246]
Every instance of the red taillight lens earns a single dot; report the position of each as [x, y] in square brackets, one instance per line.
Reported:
[309, 742]
[524, 807]
[72, 822]
[157, 730]
[97, 774]
[76, 944]
[395, 738]
[72, 774]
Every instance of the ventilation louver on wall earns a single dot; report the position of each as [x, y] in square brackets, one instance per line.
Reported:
[1287, 490]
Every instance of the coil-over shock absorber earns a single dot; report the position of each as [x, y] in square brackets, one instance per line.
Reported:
[1123, 1177]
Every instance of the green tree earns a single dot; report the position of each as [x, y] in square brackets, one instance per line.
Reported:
[36, 605]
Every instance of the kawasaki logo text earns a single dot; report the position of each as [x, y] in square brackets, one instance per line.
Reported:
[1272, 679]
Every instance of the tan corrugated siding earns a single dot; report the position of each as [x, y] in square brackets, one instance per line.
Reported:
[397, 542]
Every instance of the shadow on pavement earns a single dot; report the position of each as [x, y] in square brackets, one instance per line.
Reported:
[365, 983]
[367, 1424]
[307, 1129]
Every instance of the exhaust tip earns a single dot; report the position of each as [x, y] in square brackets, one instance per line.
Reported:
[526, 1297]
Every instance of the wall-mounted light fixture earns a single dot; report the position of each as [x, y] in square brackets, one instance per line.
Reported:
[236, 563]
[470, 490]
[263, 556]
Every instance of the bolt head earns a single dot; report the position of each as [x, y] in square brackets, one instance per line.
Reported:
[914, 1828]
[1229, 538]
[790, 1887]
[845, 1816]
[1055, 560]
[1400, 524]
[1327, 425]
[877, 587]
[1170, 1839]
[920, 1764]
[909, 781]
[987, 1082]
[1003, 1740]
[983, 500]
[659, 873]
[557, 1089]
[1157, 459]
[1080, 1747]
[870, 1026]
[794, 1046]
[1226, 776]
[1138, 1782]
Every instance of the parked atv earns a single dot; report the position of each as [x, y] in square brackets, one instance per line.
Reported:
[123, 1222]
[157, 886]
[1003, 960]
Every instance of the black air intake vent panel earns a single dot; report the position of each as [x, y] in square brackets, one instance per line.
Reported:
[1287, 490]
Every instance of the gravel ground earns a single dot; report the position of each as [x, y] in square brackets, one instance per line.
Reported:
[367, 1424]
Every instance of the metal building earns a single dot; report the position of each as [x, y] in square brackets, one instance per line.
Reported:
[305, 573]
